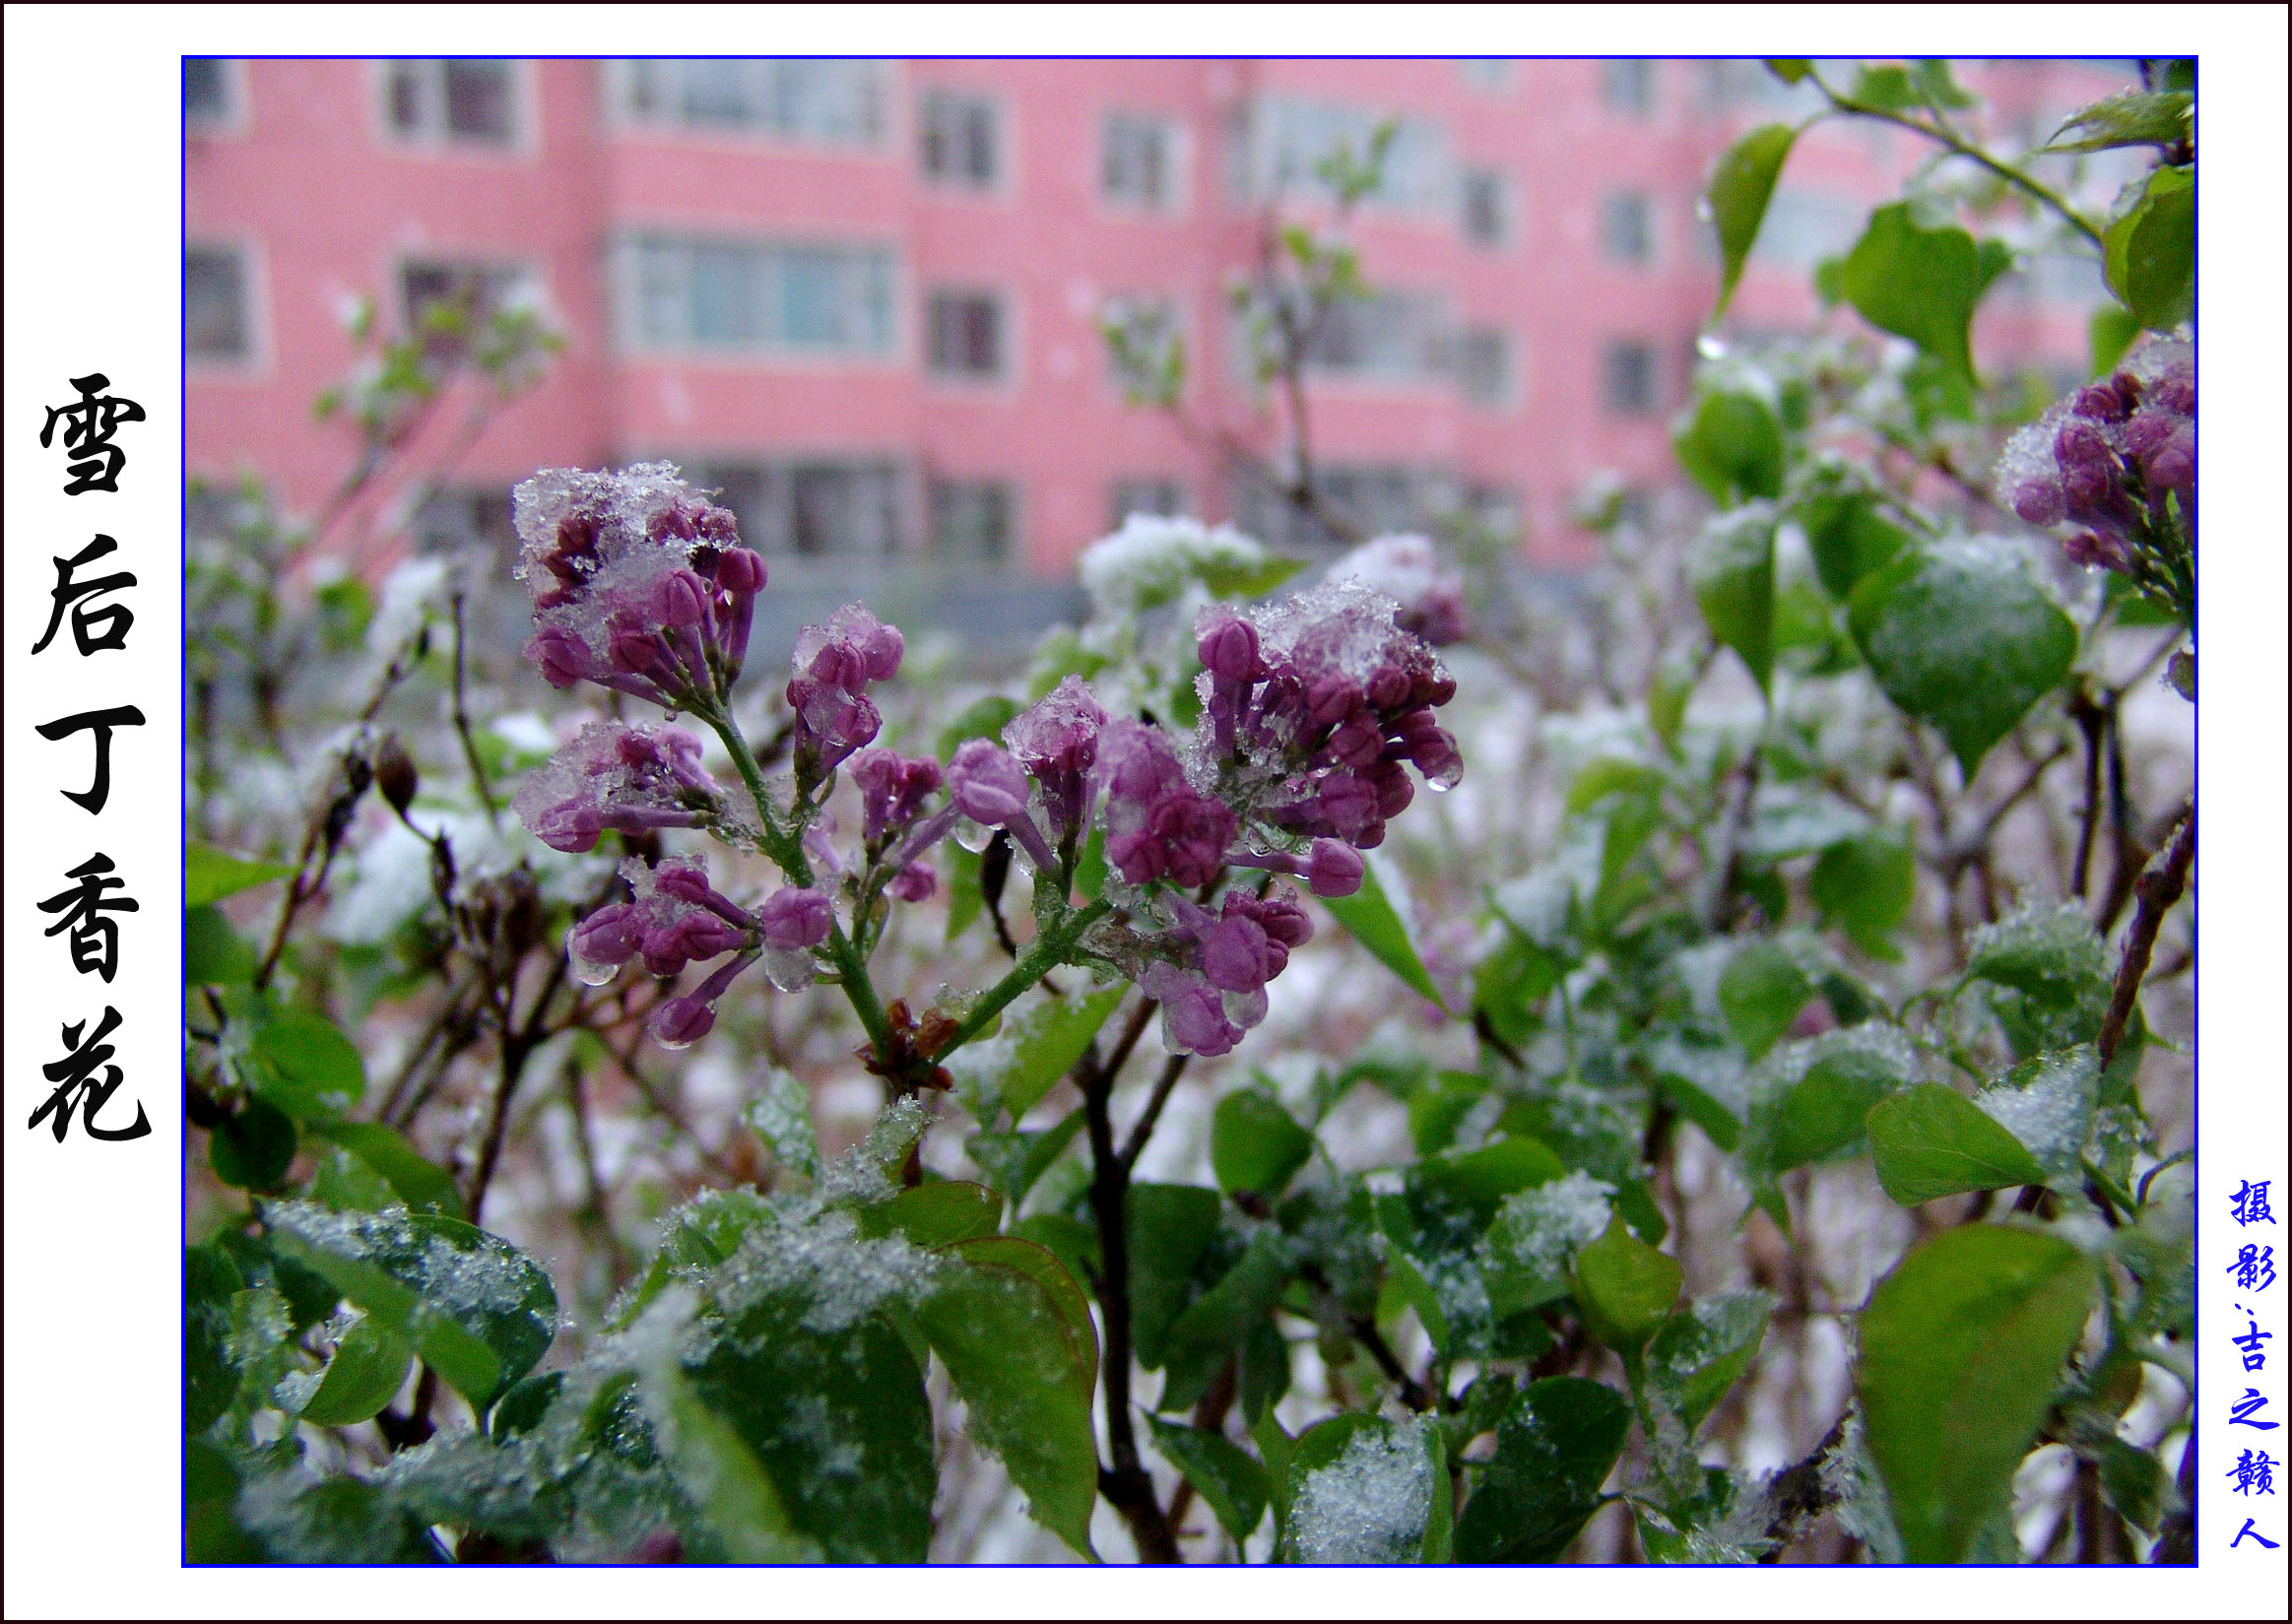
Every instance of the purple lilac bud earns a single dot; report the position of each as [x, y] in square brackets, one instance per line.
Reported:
[639, 583]
[796, 918]
[1159, 827]
[987, 785]
[1406, 569]
[602, 943]
[913, 884]
[1194, 1020]
[1056, 740]
[832, 665]
[1334, 869]
[2107, 453]
[682, 917]
[892, 791]
[682, 1021]
[616, 775]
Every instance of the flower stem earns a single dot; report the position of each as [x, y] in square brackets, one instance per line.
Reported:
[1045, 954]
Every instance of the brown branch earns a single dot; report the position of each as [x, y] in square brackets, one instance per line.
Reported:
[2155, 894]
[1798, 1494]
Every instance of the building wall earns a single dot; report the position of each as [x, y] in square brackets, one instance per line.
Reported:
[297, 169]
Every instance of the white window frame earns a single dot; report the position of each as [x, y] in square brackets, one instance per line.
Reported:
[524, 114]
[635, 344]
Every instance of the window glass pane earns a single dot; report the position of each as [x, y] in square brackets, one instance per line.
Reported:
[716, 93]
[215, 320]
[1626, 229]
[1158, 497]
[406, 84]
[477, 102]
[206, 90]
[959, 139]
[724, 294]
[1629, 86]
[970, 521]
[1628, 378]
[1483, 206]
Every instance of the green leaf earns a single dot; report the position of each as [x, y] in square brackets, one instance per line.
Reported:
[965, 902]
[1220, 1319]
[1961, 1349]
[209, 1374]
[1930, 1142]
[1865, 884]
[1169, 1226]
[695, 1238]
[1035, 1050]
[1254, 1144]
[1886, 86]
[215, 955]
[1439, 1105]
[1760, 993]
[210, 875]
[1625, 1288]
[302, 1063]
[1741, 185]
[1702, 1351]
[1014, 1161]
[1848, 537]
[2129, 119]
[1013, 1330]
[2051, 954]
[477, 1311]
[837, 1421]
[719, 1474]
[253, 1147]
[1788, 69]
[1238, 578]
[2149, 251]
[1917, 282]
[935, 1215]
[981, 719]
[1960, 635]
[420, 1182]
[1731, 445]
[368, 1367]
[1230, 1481]
[1481, 1179]
[1733, 572]
[2110, 334]
[1612, 775]
[1825, 1112]
[1372, 917]
[1554, 1447]
[780, 1115]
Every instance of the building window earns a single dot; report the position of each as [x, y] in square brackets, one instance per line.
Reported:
[958, 140]
[820, 300]
[208, 102]
[816, 509]
[1627, 377]
[1489, 74]
[1484, 366]
[217, 325]
[971, 521]
[966, 335]
[1283, 145]
[829, 104]
[1138, 161]
[446, 301]
[1370, 499]
[1158, 498]
[1486, 211]
[1390, 335]
[466, 102]
[1629, 86]
[1627, 228]
[454, 521]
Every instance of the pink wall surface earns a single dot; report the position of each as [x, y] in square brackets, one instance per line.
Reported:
[305, 180]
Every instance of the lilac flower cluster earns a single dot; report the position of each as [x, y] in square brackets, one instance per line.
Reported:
[616, 775]
[2118, 459]
[892, 791]
[828, 691]
[640, 584]
[1310, 709]
[1217, 993]
[676, 918]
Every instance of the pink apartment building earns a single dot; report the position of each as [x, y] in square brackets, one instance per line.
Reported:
[864, 297]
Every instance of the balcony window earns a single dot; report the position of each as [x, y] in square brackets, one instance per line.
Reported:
[1138, 161]
[816, 508]
[823, 103]
[967, 336]
[808, 299]
[960, 140]
[1390, 335]
[971, 521]
[1627, 228]
[1486, 211]
[459, 101]
[1282, 146]
[217, 325]
[1628, 379]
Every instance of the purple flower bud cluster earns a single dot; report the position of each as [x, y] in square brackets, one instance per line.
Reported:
[1404, 569]
[2115, 458]
[639, 583]
[615, 775]
[832, 666]
[892, 791]
[676, 918]
[1214, 991]
[1311, 707]
[1159, 826]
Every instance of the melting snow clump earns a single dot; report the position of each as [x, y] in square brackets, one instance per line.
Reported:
[1369, 1505]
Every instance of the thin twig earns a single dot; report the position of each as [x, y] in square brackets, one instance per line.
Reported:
[2155, 894]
